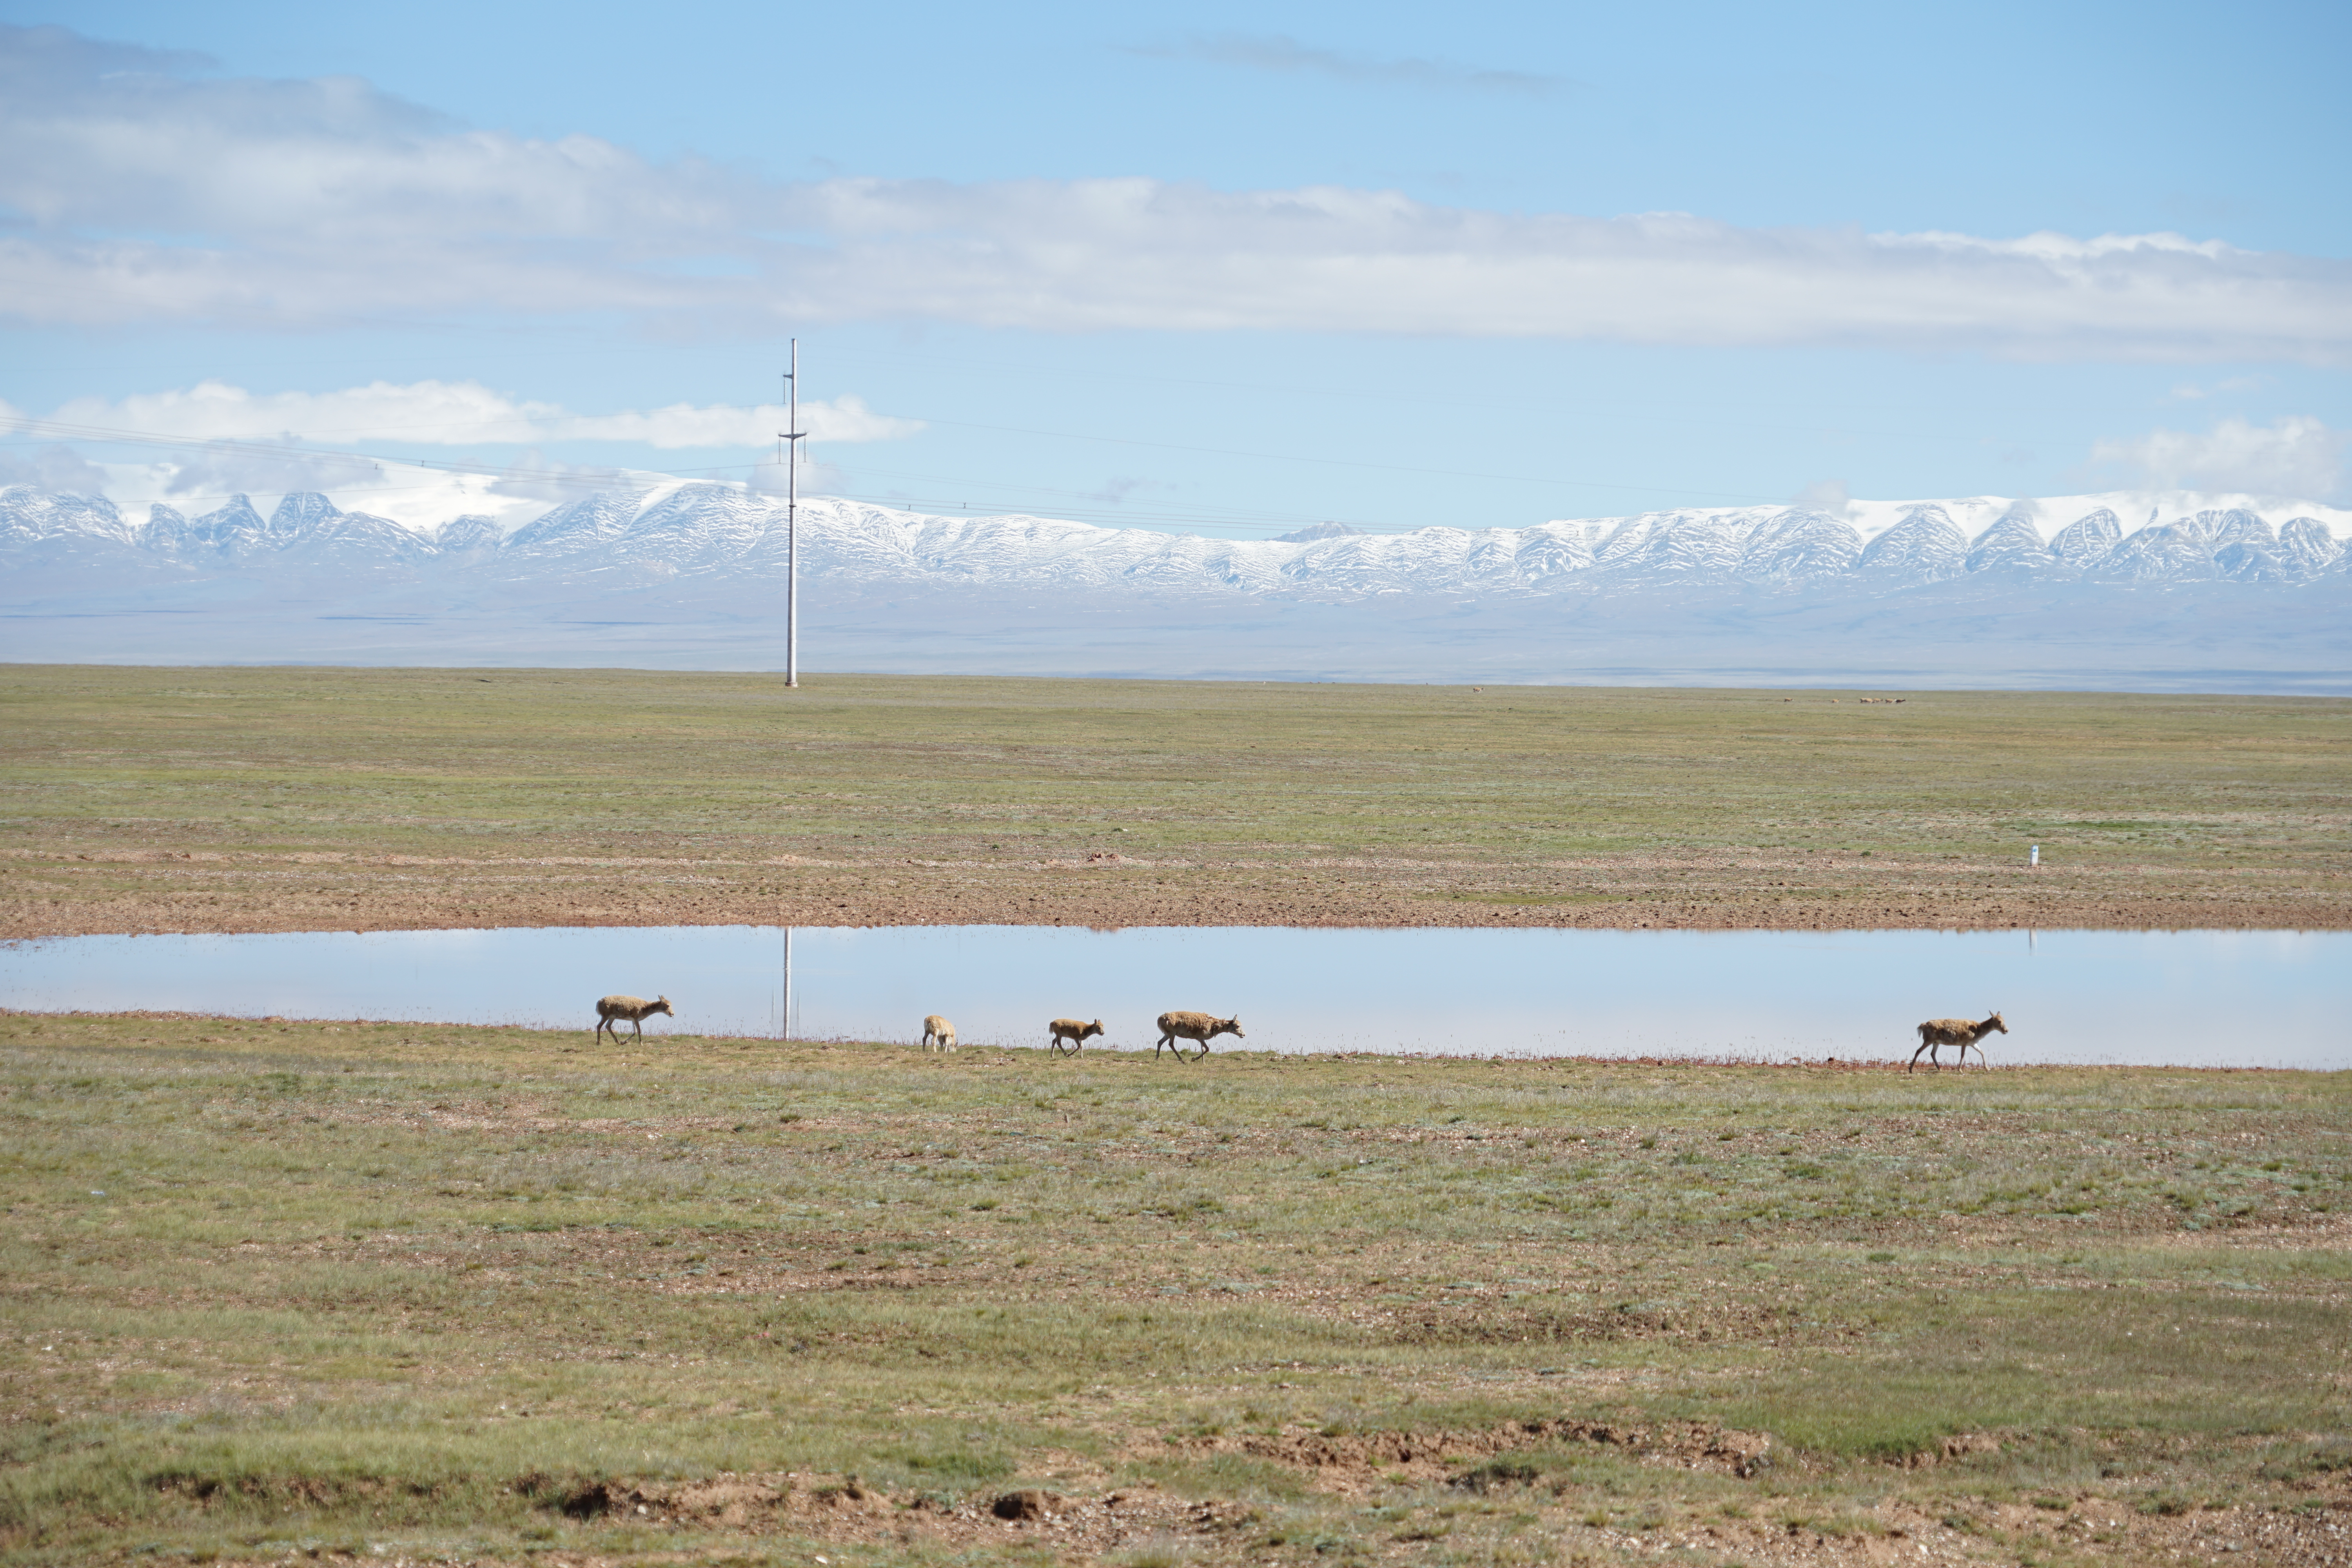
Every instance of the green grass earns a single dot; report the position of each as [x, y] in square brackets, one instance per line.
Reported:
[484, 1293]
[196, 799]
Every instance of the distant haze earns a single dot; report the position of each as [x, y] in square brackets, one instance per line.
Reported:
[2189, 593]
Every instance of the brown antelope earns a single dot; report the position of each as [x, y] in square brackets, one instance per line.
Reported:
[636, 1009]
[1074, 1032]
[937, 1031]
[1198, 1027]
[1937, 1033]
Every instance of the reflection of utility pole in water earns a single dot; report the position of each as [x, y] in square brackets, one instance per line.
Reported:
[785, 1032]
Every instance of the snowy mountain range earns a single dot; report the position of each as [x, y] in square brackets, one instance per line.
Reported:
[726, 531]
[692, 574]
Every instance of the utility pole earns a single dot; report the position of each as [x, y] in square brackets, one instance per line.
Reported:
[792, 439]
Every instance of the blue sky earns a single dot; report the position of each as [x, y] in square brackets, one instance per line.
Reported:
[1226, 269]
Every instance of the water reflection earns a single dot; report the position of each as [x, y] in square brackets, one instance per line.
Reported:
[2218, 998]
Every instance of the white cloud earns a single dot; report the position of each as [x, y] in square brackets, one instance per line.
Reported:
[2297, 456]
[51, 467]
[217, 470]
[533, 475]
[444, 413]
[149, 198]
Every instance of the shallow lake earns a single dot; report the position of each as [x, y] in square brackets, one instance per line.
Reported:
[2188, 998]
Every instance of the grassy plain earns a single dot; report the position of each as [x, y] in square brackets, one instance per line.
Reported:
[404, 1294]
[306, 799]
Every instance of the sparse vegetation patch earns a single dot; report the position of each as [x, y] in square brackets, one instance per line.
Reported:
[389, 1292]
[359, 799]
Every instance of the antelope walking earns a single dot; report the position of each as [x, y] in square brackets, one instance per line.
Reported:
[1072, 1030]
[1196, 1027]
[636, 1009]
[1937, 1033]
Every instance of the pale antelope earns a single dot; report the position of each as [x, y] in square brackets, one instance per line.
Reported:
[1937, 1033]
[1198, 1027]
[636, 1009]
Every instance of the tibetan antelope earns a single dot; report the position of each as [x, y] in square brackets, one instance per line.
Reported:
[1197, 1026]
[636, 1009]
[1937, 1033]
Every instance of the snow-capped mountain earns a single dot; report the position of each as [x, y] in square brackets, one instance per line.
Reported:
[692, 574]
[712, 530]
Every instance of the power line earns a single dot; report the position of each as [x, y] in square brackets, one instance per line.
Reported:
[94, 433]
[588, 480]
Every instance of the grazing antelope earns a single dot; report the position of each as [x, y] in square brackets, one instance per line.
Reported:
[1937, 1033]
[938, 1030]
[1198, 1027]
[636, 1009]
[1072, 1030]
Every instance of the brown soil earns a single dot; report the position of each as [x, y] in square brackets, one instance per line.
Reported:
[1149, 1524]
[1351, 1462]
[64, 893]
[843, 1508]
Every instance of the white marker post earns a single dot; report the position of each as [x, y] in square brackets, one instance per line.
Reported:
[2033, 856]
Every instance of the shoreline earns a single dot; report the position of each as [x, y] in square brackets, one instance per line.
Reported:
[1264, 1056]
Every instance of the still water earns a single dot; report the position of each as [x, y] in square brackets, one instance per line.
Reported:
[2187, 998]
